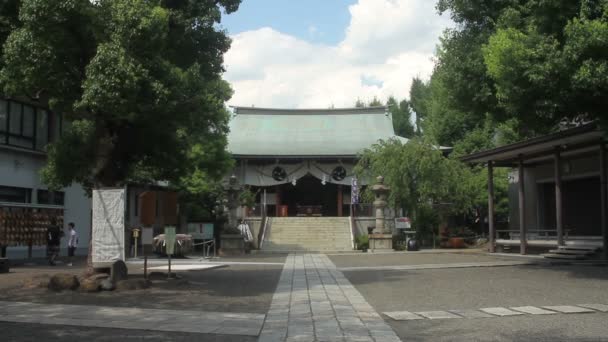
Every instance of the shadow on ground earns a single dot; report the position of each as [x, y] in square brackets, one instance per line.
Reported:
[25, 332]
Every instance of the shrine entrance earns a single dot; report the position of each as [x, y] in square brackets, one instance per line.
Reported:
[309, 197]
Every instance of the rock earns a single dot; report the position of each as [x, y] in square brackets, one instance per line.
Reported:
[118, 271]
[107, 285]
[37, 281]
[157, 276]
[132, 284]
[4, 265]
[90, 285]
[63, 281]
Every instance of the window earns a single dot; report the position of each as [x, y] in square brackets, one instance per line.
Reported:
[51, 197]
[3, 121]
[15, 195]
[42, 130]
[23, 125]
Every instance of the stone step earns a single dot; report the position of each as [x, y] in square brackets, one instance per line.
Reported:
[564, 256]
[592, 249]
[571, 252]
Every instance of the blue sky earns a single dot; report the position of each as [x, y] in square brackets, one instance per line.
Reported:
[321, 21]
[322, 53]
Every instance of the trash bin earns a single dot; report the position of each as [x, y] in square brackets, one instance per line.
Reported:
[412, 245]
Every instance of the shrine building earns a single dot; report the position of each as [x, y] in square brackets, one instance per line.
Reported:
[300, 161]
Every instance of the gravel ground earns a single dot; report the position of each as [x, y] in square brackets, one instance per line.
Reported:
[233, 288]
[395, 259]
[23, 332]
[474, 288]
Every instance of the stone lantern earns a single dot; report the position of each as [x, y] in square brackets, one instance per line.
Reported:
[380, 238]
[231, 241]
[232, 191]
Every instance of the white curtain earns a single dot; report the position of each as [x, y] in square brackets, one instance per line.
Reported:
[261, 175]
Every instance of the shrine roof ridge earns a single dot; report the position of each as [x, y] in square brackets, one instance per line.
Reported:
[309, 111]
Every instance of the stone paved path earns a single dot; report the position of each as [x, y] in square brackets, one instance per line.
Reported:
[246, 324]
[498, 312]
[315, 302]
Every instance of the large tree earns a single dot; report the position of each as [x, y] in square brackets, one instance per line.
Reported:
[420, 177]
[401, 113]
[140, 82]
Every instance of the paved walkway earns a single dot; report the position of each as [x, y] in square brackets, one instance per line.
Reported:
[315, 302]
[247, 324]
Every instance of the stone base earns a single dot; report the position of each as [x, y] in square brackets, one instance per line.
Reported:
[232, 244]
[380, 242]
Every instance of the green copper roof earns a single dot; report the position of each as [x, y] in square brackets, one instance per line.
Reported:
[307, 132]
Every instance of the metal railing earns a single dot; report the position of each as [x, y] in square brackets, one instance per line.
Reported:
[266, 221]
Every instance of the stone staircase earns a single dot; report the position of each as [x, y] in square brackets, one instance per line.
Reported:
[308, 234]
[571, 252]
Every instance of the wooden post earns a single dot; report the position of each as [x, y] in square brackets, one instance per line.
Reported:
[492, 228]
[604, 199]
[146, 267]
[169, 267]
[340, 201]
[559, 217]
[278, 200]
[522, 210]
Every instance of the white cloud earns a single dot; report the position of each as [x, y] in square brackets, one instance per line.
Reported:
[387, 43]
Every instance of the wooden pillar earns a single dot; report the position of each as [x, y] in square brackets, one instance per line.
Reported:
[522, 210]
[491, 227]
[340, 200]
[559, 216]
[604, 199]
[278, 200]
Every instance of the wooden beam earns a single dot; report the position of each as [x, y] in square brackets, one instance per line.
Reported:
[492, 229]
[277, 200]
[522, 210]
[340, 201]
[604, 200]
[559, 216]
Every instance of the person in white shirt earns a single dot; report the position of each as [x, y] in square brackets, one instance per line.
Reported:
[72, 242]
[245, 231]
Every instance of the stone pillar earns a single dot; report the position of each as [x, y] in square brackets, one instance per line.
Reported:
[380, 239]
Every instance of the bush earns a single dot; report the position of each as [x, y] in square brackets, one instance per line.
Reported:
[362, 242]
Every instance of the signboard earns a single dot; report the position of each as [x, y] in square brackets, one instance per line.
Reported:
[147, 236]
[108, 229]
[170, 240]
[403, 223]
[200, 231]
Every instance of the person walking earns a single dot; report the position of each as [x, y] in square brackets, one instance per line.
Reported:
[53, 242]
[72, 242]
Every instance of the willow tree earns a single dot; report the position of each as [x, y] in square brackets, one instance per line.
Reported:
[140, 82]
[421, 178]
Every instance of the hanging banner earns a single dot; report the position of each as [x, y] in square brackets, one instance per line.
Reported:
[108, 239]
[354, 188]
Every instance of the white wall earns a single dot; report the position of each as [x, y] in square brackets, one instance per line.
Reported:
[22, 169]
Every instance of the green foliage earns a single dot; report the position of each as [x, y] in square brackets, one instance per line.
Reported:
[419, 97]
[141, 80]
[362, 242]
[401, 113]
[420, 178]
[247, 197]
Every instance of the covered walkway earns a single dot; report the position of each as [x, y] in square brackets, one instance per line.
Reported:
[561, 180]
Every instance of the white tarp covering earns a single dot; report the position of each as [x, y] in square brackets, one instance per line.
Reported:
[108, 225]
